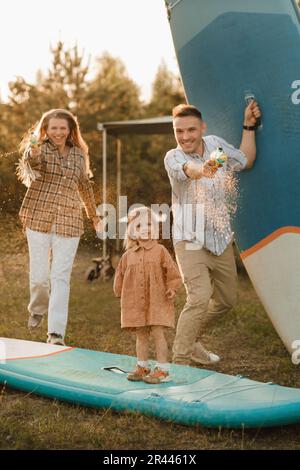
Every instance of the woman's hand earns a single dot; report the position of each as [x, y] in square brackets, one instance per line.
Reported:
[170, 293]
[34, 151]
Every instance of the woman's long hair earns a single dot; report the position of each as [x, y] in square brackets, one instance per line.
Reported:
[136, 216]
[40, 132]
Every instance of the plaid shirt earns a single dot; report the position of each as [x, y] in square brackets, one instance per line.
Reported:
[57, 187]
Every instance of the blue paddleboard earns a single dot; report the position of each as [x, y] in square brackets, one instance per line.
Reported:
[97, 379]
[226, 50]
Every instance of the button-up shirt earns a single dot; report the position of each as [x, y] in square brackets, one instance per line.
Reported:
[198, 203]
[58, 185]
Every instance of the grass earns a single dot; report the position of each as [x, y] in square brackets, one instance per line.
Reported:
[244, 338]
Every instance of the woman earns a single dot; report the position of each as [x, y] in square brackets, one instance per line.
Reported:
[55, 167]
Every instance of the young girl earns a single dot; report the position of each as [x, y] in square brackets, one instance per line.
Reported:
[146, 280]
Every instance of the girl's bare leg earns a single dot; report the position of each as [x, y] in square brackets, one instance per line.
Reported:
[142, 344]
[161, 345]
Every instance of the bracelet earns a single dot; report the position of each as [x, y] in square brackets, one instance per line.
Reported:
[249, 128]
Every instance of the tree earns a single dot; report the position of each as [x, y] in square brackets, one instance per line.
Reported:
[111, 95]
[64, 86]
[66, 81]
[167, 92]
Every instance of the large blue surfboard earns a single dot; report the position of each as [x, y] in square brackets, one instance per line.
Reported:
[225, 50]
[97, 379]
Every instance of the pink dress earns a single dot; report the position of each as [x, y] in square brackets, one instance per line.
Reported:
[143, 275]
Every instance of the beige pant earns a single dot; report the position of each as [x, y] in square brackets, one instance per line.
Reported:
[210, 283]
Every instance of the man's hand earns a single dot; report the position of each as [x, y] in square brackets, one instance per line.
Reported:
[209, 169]
[252, 113]
[248, 144]
[196, 170]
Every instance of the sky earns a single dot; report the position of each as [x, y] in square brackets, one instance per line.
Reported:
[136, 31]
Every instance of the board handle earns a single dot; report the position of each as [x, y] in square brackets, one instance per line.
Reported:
[115, 369]
[249, 97]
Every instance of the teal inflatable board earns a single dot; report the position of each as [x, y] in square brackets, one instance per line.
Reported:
[96, 379]
[228, 50]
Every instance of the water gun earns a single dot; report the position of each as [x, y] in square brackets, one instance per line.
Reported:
[218, 157]
[33, 141]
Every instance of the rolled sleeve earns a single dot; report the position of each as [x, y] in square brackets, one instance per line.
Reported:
[28, 168]
[174, 161]
[237, 160]
[86, 193]
[33, 162]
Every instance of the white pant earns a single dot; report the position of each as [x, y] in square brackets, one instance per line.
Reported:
[50, 284]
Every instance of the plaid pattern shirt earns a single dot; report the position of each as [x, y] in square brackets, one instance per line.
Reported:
[57, 188]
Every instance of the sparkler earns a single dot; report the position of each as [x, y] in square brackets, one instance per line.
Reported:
[225, 184]
[8, 154]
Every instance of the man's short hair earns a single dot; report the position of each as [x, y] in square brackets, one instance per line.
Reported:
[183, 110]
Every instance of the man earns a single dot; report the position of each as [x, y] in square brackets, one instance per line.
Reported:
[203, 251]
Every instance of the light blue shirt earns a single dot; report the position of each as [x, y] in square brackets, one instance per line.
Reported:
[199, 205]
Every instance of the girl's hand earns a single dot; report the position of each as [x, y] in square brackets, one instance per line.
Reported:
[98, 224]
[171, 293]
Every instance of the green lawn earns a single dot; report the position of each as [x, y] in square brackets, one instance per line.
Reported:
[244, 338]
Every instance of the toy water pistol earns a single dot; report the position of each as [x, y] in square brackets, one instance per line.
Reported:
[218, 157]
[33, 141]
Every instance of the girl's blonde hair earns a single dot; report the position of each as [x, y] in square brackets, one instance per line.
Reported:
[40, 132]
[135, 216]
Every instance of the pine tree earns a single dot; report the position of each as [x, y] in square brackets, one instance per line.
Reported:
[65, 86]
[167, 92]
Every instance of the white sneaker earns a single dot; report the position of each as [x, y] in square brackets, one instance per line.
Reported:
[53, 338]
[202, 356]
[34, 321]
